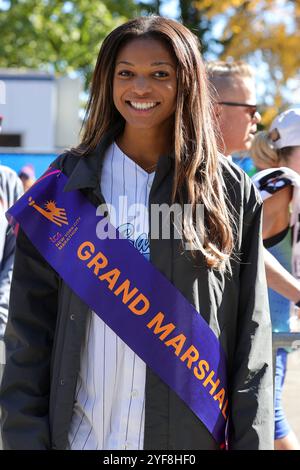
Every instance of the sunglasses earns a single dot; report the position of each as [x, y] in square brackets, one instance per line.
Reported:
[252, 108]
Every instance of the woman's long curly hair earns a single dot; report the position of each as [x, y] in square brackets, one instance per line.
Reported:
[197, 178]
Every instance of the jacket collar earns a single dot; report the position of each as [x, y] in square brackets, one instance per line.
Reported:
[87, 172]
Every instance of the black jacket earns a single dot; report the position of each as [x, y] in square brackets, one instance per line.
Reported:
[47, 321]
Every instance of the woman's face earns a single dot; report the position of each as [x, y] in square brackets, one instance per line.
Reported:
[293, 161]
[145, 84]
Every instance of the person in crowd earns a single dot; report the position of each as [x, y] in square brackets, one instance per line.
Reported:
[71, 380]
[236, 109]
[277, 153]
[10, 191]
[27, 176]
[237, 117]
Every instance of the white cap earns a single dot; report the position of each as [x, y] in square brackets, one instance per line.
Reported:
[288, 127]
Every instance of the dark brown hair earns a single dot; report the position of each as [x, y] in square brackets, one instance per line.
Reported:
[197, 165]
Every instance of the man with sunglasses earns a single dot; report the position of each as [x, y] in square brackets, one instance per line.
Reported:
[236, 110]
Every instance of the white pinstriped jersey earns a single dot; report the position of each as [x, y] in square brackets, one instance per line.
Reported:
[110, 396]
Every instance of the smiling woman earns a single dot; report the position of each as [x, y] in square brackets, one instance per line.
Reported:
[150, 77]
[70, 380]
[145, 87]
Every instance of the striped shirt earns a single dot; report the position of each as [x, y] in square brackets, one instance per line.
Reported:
[109, 403]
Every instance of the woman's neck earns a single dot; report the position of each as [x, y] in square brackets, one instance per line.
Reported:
[145, 146]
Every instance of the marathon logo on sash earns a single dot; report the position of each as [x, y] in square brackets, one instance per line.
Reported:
[130, 295]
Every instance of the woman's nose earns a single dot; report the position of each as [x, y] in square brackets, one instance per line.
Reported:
[141, 85]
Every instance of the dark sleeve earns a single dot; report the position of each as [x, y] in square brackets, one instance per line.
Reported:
[251, 422]
[28, 338]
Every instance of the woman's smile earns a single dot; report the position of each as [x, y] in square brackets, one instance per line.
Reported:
[142, 106]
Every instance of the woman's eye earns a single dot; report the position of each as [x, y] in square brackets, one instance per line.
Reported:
[161, 74]
[124, 73]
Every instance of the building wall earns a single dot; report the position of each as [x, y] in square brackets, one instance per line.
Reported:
[67, 123]
[44, 110]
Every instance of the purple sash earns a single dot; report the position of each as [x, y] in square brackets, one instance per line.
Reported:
[130, 295]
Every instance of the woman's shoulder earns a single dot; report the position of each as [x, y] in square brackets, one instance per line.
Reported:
[66, 161]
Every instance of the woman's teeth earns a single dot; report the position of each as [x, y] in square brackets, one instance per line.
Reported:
[144, 106]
